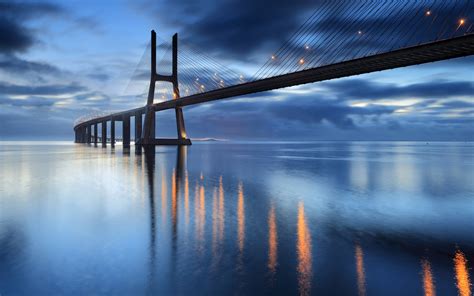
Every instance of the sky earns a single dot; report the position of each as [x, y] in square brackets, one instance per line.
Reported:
[60, 60]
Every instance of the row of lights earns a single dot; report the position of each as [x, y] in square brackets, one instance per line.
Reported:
[428, 13]
[461, 21]
[202, 87]
[301, 61]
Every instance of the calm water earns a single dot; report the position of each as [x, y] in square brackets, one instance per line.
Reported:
[326, 218]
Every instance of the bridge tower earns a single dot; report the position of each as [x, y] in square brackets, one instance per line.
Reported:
[149, 126]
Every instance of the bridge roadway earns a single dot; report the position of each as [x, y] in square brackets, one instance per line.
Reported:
[420, 54]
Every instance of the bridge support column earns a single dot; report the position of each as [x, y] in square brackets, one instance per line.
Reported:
[149, 129]
[138, 127]
[104, 134]
[80, 135]
[126, 131]
[180, 127]
[112, 133]
[88, 134]
[95, 134]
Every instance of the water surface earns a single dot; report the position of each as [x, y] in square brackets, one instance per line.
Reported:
[323, 218]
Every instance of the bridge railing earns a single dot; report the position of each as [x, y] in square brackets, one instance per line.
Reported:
[93, 115]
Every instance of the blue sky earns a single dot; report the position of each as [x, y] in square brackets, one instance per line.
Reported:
[63, 59]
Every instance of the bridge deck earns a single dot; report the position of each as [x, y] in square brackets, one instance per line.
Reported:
[425, 53]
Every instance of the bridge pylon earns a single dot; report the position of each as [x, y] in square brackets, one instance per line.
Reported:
[148, 137]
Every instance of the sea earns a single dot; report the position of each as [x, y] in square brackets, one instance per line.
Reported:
[237, 218]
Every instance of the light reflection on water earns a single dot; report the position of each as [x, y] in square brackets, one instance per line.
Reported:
[278, 218]
[462, 274]
[359, 256]
[428, 281]
[304, 250]
[272, 242]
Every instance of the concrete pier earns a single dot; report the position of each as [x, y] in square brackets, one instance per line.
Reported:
[104, 134]
[112, 133]
[138, 126]
[96, 135]
[126, 131]
[88, 134]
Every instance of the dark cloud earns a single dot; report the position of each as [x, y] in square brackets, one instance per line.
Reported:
[366, 89]
[236, 28]
[240, 29]
[312, 117]
[13, 64]
[458, 104]
[88, 23]
[302, 110]
[95, 96]
[456, 121]
[100, 76]
[317, 110]
[15, 36]
[13, 89]
[28, 10]
[28, 102]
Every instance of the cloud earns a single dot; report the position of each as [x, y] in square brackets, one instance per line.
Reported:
[29, 102]
[244, 29]
[52, 89]
[458, 104]
[88, 23]
[316, 110]
[99, 76]
[95, 96]
[236, 28]
[299, 110]
[15, 36]
[13, 64]
[349, 89]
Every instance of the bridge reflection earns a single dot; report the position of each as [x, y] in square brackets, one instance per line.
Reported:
[211, 241]
[150, 173]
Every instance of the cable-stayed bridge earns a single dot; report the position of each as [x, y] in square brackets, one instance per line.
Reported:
[339, 39]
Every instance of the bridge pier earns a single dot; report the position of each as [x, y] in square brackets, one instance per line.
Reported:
[112, 133]
[104, 134]
[138, 128]
[82, 135]
[181, 130]
[126, 131]
[95, 134]
[88, 134]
